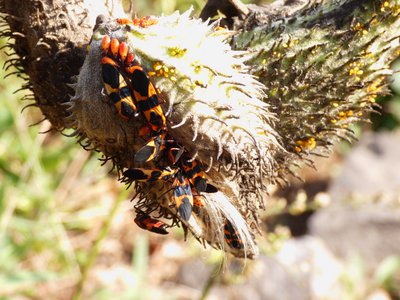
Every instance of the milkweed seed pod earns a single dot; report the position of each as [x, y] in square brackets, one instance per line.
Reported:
[323, 68]
[214, 110]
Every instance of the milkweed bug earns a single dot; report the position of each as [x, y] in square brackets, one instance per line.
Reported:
[183, 196]
[144, 221]
[114, 83]
[124, 78]
[142, 22]
[117, 90]
[195, 174]
[175, 153]
[149, 175]
[198, 202]
[146, 98]
[198, 199]
[152, 148]
[192, 170]
[231, 236]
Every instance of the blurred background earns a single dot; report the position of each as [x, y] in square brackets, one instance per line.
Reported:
[67, 230]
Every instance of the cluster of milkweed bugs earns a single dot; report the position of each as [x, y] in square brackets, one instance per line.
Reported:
[130, 90]
[142, 22]
[187, 177]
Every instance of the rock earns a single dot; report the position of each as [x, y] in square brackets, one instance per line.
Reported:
[265, 281]
[371, 231]
[270, 281]
[273, 281]
[372, 168]
[194, 274]
[314, 265]
[364, 218]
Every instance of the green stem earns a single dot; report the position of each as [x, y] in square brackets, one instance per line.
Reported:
[85, 266]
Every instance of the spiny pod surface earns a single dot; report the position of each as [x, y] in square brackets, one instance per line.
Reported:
[213, 109]
[323, 69]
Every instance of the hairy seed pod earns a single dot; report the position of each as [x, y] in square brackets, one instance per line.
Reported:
[214, 110]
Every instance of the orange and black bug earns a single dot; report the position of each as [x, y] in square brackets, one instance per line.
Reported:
[149, 175]
[152, 149]
[146, 98]
[195, 174]
[114, 83]
[197, 177]
[198, 202]
[198, 199]
[144, 221]
[137, 84]
[117, 90]
[231, 236]
[192, 170]
[175, 153]
[183, 196]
